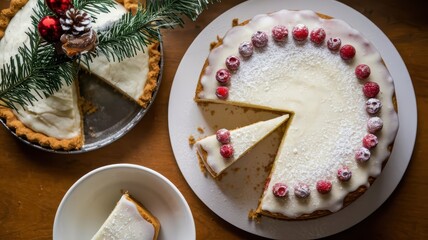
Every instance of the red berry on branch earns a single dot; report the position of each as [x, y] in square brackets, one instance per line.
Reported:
[59, 7]
[50, 29]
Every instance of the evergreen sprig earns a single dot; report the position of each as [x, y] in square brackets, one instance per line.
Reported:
[38, 71]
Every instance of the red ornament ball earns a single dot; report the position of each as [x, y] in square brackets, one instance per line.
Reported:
[226, 151]
[50, 29]
[59, 7]
[347, 52]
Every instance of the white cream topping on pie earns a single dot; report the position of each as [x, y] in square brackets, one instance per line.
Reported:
[125, 222]
[322, 91]
[56, 116]
[242, 140]
[129, 75]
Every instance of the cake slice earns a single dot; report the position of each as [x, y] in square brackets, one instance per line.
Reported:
[221, 150]
[129, 220]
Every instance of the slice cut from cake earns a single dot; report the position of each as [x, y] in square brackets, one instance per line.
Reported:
[221, 150]
[129, 220]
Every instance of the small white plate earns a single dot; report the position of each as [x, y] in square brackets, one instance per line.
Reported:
[88, 203]
[238, 192]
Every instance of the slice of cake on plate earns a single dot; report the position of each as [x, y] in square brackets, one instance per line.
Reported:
[129, 220]
[220, 151]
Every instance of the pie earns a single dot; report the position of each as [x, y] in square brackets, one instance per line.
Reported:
[56, 122]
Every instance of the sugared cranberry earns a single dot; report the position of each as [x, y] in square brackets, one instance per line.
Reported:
[317, 35]
[232, 63]
[370, 141]
[223, 76]
[374, 124]
[223, 135]
[344, 174]
[323, 186]
[362, 71]
[226, 150]
[362, 154]
[279, 33]
[222, 92]
[302, 190]
[373, 105]
[300, 32]
[259, 39]
[347, 52]
[246, 49]
[334, 44]
[371, 89]
[280, 190]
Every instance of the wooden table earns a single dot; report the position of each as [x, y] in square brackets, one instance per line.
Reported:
[32, 182]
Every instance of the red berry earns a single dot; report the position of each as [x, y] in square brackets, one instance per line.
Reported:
[223, 135]
[222, 92]
[300, 32]
[279, 33]
[362, 154]
[317, 35]
[323, 186]
[334, 44]
[362, 71]
[347, 52]
[374, 124]
[259, 39]
[232, 63]
[371, 89]
[370, 141]
[280, 190]
[302, 190]
[246, 49]
[223, 76]
[344, 174]
[226, 150]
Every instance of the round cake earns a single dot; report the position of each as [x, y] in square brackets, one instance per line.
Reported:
[338, 92]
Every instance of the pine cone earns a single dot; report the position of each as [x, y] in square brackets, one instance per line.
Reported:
[76, 22]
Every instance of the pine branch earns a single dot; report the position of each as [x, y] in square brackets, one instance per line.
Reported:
[94, 6]
[134, 32]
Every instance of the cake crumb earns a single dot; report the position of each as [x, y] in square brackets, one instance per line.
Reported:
[87, 106]
[91, 132]
[191, 140]
[235, 169]
[212, 112]
[200, 130]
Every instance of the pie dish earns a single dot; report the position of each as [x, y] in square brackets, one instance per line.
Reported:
[333, 130]
[57, 121]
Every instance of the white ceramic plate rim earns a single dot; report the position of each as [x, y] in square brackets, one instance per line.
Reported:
[191, 228]
[181, 126]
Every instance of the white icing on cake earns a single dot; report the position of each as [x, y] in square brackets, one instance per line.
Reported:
[242, 140]
[322, 90]
[56, 116]
[125, 222]
[129, 75]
